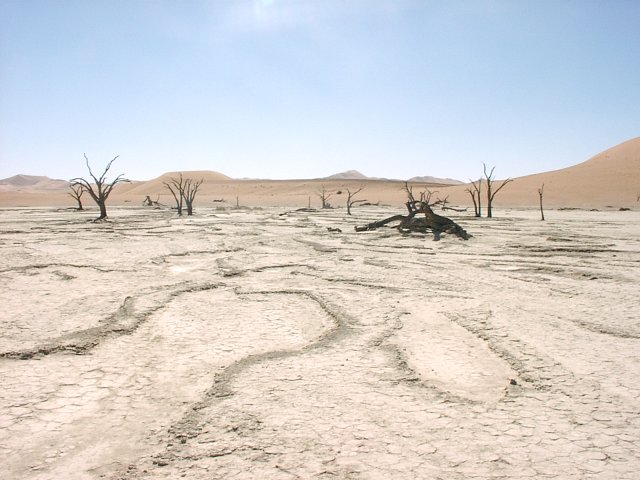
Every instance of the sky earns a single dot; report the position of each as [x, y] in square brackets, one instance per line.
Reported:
[309, 88]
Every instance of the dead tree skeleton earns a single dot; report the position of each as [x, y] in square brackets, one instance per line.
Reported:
[176, 187]
[184, 191]
[540, 194]
[325, 195]
[490, 192]
[190, 190]
[147, 202]
[102, 189]
[76, 194]
[475, 196]
[432, 222]
[351, 199]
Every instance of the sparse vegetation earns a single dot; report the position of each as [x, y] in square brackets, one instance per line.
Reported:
[100, 189]
[76, 194]
[475, 191]
[147, 202]
[491, 193]
[190, 191]
[184, 191]
[431, 222]
[176, 187]
[325, 195]
[540, 194]
[351, 201]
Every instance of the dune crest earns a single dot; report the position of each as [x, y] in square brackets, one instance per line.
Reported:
[610, 179]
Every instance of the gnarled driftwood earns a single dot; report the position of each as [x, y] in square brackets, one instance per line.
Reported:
[431, 222]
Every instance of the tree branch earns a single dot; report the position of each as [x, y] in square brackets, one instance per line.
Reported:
[508, 180]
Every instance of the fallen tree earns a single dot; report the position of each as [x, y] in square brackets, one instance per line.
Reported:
[431, 222]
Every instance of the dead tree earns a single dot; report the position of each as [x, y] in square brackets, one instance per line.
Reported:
[147, 202]
[540, 194]
[76, 194]
[432, 222]
[325, 195]
[184, 191]
[475, 196]
[351, 199]
[444, 205]
[176, 187]
[189, 193]
[491, 193]
[100, 189]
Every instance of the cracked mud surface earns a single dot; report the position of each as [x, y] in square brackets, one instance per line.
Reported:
[254, 345]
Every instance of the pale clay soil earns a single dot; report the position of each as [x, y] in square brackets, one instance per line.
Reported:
[244, 344]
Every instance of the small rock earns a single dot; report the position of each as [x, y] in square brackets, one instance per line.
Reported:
[513, 381]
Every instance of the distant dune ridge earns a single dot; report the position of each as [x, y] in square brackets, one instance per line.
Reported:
[609, 179]
[156, 186]
[31, 183]
[348, 175]
[442, 181]
[356, 175]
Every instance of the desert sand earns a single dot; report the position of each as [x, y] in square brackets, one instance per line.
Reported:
[249, 341]
[242, 343]
[609, 180]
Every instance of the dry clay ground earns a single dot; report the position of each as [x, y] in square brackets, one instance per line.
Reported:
[252, 345]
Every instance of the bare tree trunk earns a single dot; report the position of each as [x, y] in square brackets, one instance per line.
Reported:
[100, 189]
[325, 195]
[432, 222]
[473, 199]
[351, 199]
[103, 210]
[540, 193]
[76, 194]
[176, 187]
[490, 192]
[189, 193]
[476, 196]
[379, 223]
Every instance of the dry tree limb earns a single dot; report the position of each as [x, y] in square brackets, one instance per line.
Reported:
[76, 193]
[491, 193]
[540, 194]
[100, 189]
[431, 222]
[351, 199]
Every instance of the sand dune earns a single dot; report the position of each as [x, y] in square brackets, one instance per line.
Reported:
[348, 175]
[156, 186]
[31, 183]
[610, 179]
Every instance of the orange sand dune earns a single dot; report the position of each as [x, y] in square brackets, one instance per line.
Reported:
[156, 186]
[609, 179]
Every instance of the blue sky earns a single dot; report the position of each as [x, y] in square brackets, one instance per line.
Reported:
[308, 88]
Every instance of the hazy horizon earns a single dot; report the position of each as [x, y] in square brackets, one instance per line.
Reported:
[112, 174]
[283, 89]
